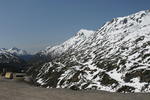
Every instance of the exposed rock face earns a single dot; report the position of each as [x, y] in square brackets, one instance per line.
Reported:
[115, 58]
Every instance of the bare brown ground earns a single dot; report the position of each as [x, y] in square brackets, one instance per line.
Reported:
[13, 90]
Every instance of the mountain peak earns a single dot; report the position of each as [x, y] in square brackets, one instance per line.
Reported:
[84, 32]
[81, 36]
[126, 24]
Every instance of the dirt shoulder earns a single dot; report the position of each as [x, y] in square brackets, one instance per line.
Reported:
[16, 90]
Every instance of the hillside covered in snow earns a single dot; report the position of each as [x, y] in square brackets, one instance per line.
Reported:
[114, 58]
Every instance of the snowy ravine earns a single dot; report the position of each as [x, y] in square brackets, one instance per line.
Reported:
[114, 58]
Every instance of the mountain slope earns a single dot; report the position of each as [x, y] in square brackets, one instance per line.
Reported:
[115, 58]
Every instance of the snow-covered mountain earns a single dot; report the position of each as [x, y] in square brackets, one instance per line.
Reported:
[74, 42]
[15, 51]
[10, 61]
[52, 52]
[114, 58]
[6, 57]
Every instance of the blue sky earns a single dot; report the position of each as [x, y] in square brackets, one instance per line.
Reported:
[34, 24]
